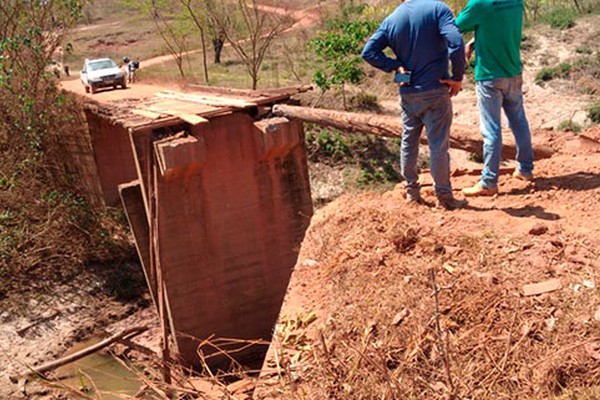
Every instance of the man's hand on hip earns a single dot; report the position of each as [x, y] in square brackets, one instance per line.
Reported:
[453, 86]
[402, 70]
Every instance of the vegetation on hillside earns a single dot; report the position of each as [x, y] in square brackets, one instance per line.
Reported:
[46, 229]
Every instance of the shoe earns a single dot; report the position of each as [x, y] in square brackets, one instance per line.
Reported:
[479, 190]
[414, 196]
[524, 176]
[449, 202]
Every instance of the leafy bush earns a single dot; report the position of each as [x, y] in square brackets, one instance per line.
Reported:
[544, 75]
[584, 50]
[365, 102]
[594, 113]
[324, 143]
[588, 64]
[377, 172]
[569, 125]
[376, 158]
[560, 18]
[339, 47]
[476, 157]
[548, 73]
[45, 229]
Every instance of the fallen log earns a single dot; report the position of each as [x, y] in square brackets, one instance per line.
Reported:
[125, 335]
[462, 137]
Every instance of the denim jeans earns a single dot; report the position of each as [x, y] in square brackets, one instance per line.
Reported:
[492, 96]
[433, 110]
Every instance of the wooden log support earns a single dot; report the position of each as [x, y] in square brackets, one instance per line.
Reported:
[462, 137]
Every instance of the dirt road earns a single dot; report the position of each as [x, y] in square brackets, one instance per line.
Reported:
[133, 91]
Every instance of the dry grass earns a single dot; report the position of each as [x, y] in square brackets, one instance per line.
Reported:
[377, 336]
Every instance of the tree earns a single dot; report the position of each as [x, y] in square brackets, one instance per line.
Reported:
[30, 34]
[172, 24]
[199, 23]
[199, 12]
[249, 28]
[174, 33]
[44, 226]
[339, 48]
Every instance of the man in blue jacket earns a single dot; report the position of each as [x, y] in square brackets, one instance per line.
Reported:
[422, 35]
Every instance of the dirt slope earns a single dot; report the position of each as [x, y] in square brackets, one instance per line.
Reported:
[364, 272]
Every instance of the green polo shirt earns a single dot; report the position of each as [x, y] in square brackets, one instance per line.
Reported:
[498, 25]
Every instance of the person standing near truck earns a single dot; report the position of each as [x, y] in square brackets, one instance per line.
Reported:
[498, 26]
[423, 37]
[129, 68]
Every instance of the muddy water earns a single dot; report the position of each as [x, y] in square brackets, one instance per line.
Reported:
[99, 371]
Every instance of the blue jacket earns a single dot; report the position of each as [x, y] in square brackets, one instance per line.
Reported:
[422, 35]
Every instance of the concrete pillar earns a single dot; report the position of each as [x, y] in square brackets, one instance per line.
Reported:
[231, 200]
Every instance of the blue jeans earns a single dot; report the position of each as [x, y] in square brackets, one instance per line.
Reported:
[433, 110]
[493, 96]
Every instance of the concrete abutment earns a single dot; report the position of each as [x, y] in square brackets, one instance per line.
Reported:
[218, 209]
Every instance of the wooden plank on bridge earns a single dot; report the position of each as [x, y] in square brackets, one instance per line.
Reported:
[219, 101]
[187, 117]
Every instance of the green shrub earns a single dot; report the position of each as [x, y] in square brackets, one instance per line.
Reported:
[564, 69]
[476, 157]
[365, 102]
[560, 18]
[526, 42]
[587, 66]
[375, 171]
[545, 74]
[338, 48]
[569, 125]
[328, 144]
[594, 113]
[584, 50]
[548, 73]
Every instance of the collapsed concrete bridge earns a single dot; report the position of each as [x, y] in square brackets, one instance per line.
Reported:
[218, 200]
[216, 191]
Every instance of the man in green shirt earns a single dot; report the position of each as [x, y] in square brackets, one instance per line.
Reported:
[498, 27]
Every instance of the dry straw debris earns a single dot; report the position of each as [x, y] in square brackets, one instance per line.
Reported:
[466, 330]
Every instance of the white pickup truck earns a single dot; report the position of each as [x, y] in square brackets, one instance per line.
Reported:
[100, 73]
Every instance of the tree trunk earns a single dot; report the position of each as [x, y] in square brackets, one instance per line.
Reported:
[254, 75]
[462, 137]
[218, 46]
[204, 62]
[179, 62]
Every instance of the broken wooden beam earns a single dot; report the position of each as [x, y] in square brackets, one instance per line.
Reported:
[462, 137]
